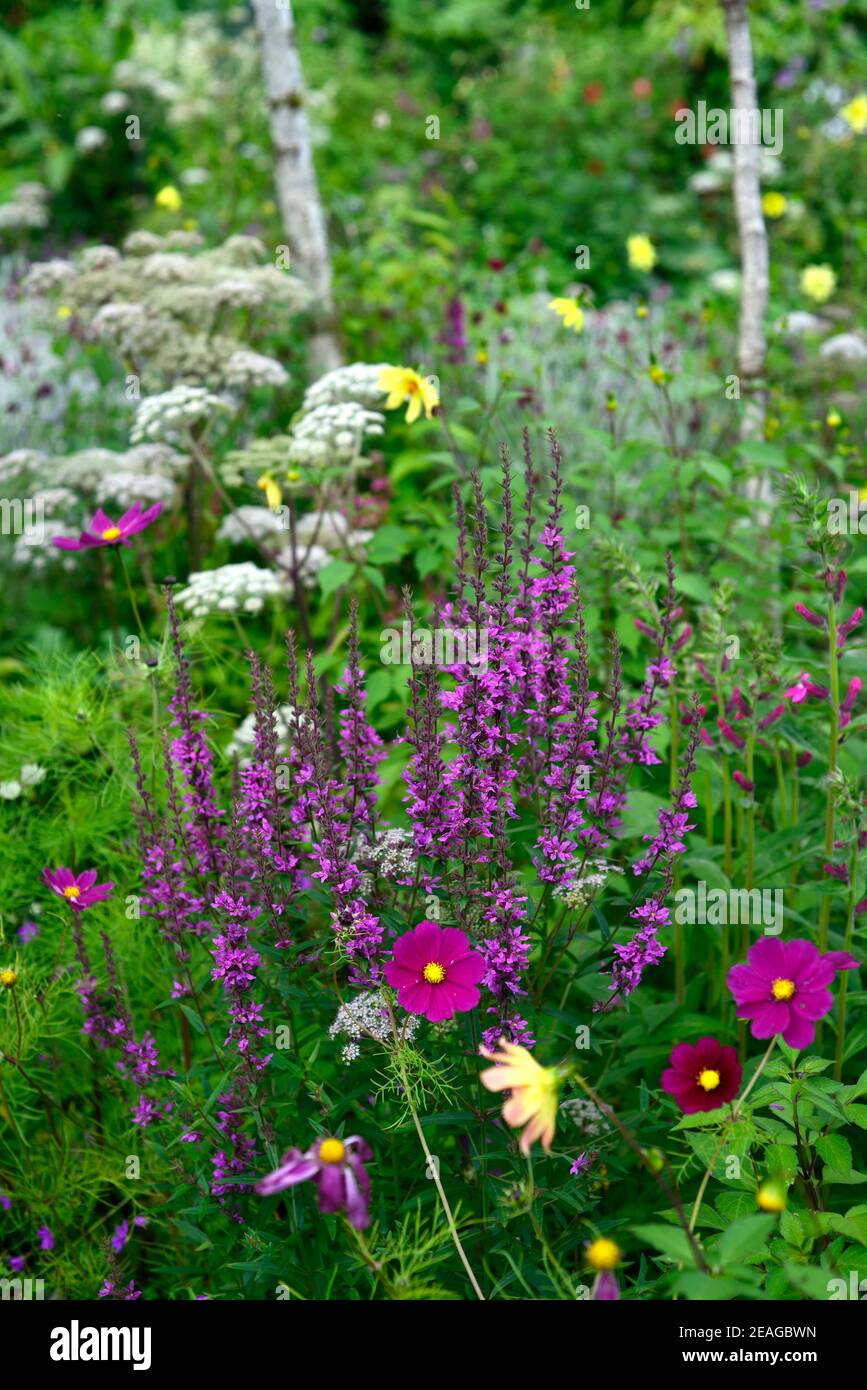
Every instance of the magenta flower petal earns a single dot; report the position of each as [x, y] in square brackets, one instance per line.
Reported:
[331, 1187]
[416, 998]
[467, 970]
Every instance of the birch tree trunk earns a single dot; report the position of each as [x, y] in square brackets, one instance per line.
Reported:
[750, 222]
[294, 172]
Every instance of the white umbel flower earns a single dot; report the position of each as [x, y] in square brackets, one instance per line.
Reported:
[164, 416]
[243, 588]
[246, 369]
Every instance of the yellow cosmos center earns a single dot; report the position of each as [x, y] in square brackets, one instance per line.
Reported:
[708, 1079]
[73, 891]
[434, 973]
[332, 1151]
[783, 989]
[111, 534]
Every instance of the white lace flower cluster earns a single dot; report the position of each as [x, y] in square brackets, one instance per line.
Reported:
[592, 877]
[175, 309]
[589, 1119]
[246, 369]
[331, 530]
[243, 588]
[358, 382]
[251, 523]
[333, 434]
[367, 1016]
[393, 855]
[164, 416]
[26, 210]
[285, 721]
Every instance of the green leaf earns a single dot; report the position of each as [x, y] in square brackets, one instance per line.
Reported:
[389, 544]
[193, 1018]
[836, 1151]
[668, 1240]
[334, 576]
[749, 1236]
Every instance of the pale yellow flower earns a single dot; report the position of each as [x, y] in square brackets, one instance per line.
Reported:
[641, 251]
[818, 282]
[64, 312]
[658, 375]
[169, 198]
[570, 312]
[533, 1101]
[833, 419]
[404, 384]
[271, 489]
[855, 113]
[774, 204]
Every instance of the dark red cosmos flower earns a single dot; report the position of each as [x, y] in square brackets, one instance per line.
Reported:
[702, 1076]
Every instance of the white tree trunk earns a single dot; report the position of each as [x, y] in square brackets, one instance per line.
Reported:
[294, 172]
[750, 222]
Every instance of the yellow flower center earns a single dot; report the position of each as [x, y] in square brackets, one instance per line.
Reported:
[111, 534]
[7, 978]
[73, 891]
[332, 1151]
[434, 973]
[603, 1254]
[783, 989]
[708, 1079]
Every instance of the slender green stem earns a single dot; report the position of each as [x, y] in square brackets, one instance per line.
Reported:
[830, 804]
[844, 974]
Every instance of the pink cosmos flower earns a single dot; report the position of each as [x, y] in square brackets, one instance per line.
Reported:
[103, 531]
[341, 1180]
[435, 971]
[80, 892]
[702, 1076]
[783, 988]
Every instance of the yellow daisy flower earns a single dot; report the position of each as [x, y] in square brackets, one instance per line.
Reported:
[169, 198]
[855, 113]
[404, 384]
[641, 251]
[818, 282]
[570, 312]
[774, 204]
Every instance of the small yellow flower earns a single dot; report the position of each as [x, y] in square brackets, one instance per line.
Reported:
[641, 251]
[642, 311]
[657, 374]
[64, 312]
[855, 113]
[774, 204]
[271, 489]
[771, 1196]
[533, 1101]
[481, 357]
[169, 198]
[603, 1254]
[190, 224]
[611, 403]
[404, 384]
[833, 419]
[7, 978]
[293, 476]
[818, 282]
[570, 312]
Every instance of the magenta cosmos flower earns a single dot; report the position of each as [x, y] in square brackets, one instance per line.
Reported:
[338, 1167]
[435, 971]
[80, 892]
[783, 988]
[103, 531]
[702, 1075]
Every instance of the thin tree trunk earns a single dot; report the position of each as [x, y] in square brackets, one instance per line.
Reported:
[750, 223]
[294, 172]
